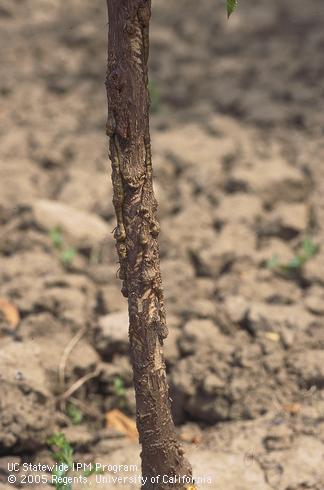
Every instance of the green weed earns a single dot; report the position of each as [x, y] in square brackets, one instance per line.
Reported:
[119, 387]
[308, 249]
[62, 453]
[74, 413]
[57, 238]
[120, 391]
[66, 254]
[231, 6]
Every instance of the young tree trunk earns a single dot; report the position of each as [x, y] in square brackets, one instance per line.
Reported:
[136, 236]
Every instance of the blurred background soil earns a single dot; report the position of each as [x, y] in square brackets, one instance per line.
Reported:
[237, 131]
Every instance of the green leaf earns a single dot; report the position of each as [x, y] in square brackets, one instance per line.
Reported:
[231, 6]
[64, 452]
[56, 237]
[67, 256]
[309, 247]
[295, 262]
[74, 414]
[119, 387]
[273, 263]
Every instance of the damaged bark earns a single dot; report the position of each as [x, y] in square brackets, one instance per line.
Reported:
[136, 237]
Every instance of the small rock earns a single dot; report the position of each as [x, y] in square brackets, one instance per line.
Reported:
[82, 229]
[202, 331]
[235, 241]
[236, 307]
[111, 335]
[212, 384]
[292, 217]
[287, 337]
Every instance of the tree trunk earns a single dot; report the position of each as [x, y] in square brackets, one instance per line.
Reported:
[136, 236]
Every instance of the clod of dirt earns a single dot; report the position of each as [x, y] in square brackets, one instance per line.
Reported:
[273, 248]
[221, 382]
[82, 229]
[26, 409]
[274, 180]
[68, 304]
[111, 336]
[95, 200]
[309, 367]
[27, 265]
[300, 466]
[110, 298]
[291, 218]
[236, 307]
[47, 332]
[314, 300]
[235, 241]
[262, 317]
[29, 186]
[248, 208]
[197, 332]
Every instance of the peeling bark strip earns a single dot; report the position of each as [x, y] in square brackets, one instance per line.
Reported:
[136, 236]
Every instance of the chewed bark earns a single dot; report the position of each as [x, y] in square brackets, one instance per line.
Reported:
[136, 237]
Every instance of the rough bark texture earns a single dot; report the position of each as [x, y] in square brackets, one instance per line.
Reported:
[136, 236]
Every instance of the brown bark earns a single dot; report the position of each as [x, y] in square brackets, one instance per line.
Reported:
[136, 236]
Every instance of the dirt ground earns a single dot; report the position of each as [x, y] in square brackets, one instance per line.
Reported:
[237, 130]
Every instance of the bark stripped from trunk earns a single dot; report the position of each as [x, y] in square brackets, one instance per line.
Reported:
[136, 236]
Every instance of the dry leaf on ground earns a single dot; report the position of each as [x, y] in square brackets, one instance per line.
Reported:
[10, 312]
[119, 421]
[292, 408]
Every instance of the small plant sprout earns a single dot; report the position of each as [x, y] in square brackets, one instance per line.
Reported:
[120, 391]
[308, 249]
[231, 6]
[66, 254]
[74, 414]
[62, 453]
[57, 238]
[119, 387]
